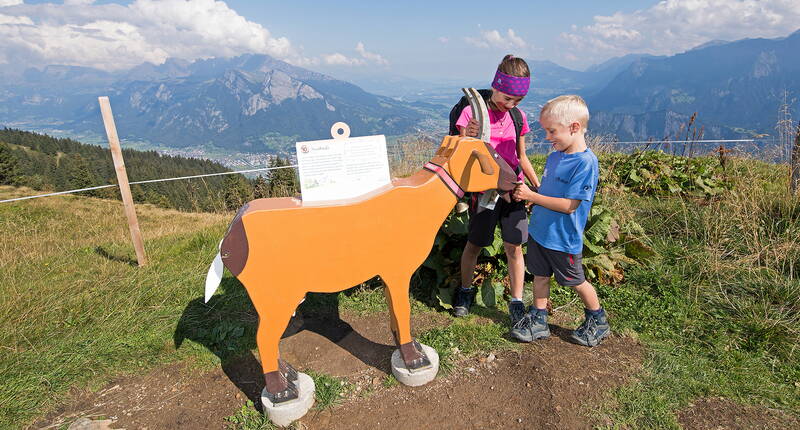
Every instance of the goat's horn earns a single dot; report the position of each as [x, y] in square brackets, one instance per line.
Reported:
[483, 160]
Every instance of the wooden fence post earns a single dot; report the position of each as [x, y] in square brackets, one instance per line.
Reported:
[122, 179]
[795, 179]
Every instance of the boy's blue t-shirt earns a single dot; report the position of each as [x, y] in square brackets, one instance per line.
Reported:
[571, 176]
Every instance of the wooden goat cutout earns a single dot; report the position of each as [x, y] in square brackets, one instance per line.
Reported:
[280, 249]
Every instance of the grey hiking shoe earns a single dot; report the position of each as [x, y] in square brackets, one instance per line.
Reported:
[532, 326]
[462, 301]
[593, 330]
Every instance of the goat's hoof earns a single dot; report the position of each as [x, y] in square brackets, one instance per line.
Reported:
[414, 356]
[289, 372]
[290, 404]
[286, 395]
[417, 366]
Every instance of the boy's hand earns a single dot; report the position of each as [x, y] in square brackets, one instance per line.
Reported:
[522, 192]
[472, 128]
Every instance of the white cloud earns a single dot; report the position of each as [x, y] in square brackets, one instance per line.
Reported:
[493, 39]
[366, 57]
[370, 56]
[114, 37]
[443, 39]
[673, 26]
[337, 59]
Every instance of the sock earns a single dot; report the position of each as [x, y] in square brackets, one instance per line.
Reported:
[516, 300]
[596, 313]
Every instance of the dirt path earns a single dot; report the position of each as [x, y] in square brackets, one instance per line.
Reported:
[549, 384]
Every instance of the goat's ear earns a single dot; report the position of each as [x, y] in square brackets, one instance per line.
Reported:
[443, 147]
[483, 160]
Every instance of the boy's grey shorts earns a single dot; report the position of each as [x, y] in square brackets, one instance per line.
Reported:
[567, 268]
[512, 216]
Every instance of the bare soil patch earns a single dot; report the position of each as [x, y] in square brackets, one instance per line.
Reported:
[548, 384]
[723, 414]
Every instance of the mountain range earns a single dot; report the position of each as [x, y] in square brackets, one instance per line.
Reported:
[250, 102]
[257, 103]
[735, 87]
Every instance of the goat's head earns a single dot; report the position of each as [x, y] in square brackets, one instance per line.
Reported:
[475, 165]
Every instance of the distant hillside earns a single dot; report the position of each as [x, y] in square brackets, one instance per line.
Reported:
[250, 103]
[734, 87]
[255, 103]
[46, 163]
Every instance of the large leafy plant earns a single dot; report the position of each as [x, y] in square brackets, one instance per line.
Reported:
[445, 258]
[658, 173]
[608, 247]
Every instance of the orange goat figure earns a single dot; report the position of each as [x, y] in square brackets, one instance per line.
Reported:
[280, 249]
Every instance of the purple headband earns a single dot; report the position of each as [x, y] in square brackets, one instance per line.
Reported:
[511, 85]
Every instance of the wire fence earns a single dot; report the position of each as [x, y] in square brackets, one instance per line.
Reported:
[408, 155]
[149, 181]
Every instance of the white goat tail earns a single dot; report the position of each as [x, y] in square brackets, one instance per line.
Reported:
[214, 276]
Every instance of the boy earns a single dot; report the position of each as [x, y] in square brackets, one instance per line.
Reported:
[559, 216]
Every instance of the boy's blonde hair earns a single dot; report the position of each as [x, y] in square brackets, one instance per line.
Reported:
[567, 109]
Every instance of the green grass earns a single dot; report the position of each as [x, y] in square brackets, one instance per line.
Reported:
[328, 390]
[468, 336]
[76, 311]
[719, 310]
[248, 418]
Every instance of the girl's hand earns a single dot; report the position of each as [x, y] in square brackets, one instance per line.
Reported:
[472, 128]
[522, 192]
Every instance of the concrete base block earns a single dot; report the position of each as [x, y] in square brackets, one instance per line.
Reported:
[417, 377]
[284, 413]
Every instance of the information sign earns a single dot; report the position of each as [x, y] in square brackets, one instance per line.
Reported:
[343, 167]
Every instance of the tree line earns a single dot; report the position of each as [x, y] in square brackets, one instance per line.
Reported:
[47, 163]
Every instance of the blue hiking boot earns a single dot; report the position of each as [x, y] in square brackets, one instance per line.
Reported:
[594, 329]
[463, 300]
[516, 310]
[532, 326]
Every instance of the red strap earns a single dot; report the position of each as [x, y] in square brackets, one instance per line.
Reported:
[446, 178]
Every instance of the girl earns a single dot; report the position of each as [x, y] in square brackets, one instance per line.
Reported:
[510, 85]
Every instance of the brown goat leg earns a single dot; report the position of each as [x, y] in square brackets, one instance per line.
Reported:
[279, 389]
[410, 350]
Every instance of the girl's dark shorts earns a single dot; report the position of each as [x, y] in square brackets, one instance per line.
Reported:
[512, 216]
[567, 268]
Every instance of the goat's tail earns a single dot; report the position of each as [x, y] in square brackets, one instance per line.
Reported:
[214, 276]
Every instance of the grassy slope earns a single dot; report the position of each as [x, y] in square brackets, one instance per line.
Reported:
[75, 308]
[718, 310]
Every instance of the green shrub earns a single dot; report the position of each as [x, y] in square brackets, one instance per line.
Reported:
[607, 248]
[656, 173]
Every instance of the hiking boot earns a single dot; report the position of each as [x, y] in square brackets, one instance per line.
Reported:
[532, 326]
[594, 329]
[516, 311]
[462, 301]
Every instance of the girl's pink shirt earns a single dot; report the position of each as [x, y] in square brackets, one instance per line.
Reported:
[503, 137]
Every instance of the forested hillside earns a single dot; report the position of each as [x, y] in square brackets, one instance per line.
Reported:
[52, 164]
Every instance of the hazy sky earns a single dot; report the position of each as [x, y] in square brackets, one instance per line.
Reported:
[420, 39]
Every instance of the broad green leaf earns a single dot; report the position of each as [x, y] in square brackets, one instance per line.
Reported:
[488, 294]
[638, 250]
[445, 297]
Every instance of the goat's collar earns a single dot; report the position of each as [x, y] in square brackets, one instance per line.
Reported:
[446, 178]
